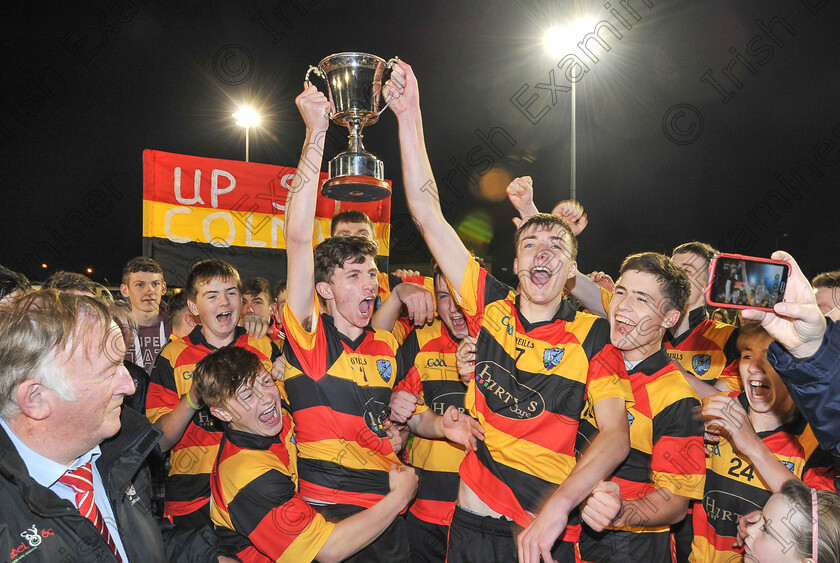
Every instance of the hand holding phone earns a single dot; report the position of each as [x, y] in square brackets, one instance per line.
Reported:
[746, 282]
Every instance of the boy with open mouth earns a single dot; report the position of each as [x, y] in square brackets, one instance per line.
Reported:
[256, 506]
[763, 442]
[190, 431]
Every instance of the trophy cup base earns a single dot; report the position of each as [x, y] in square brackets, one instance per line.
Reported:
[356, 188]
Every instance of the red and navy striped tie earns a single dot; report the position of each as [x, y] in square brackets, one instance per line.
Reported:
[81, 481]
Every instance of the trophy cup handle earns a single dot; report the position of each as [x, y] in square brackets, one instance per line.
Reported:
[388, 66]
[323, 77]
[317, 71]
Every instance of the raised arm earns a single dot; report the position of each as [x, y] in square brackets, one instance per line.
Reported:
[588, 293]
[420, 187]
[300, 205]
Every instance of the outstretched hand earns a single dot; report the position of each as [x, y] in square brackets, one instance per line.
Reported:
[796, 323]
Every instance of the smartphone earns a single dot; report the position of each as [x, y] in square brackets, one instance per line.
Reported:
[746, 282]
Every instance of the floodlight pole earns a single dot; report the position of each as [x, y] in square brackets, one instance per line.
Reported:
[247, 143]
[574, 147]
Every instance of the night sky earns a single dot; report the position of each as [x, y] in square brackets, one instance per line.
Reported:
[715, 121]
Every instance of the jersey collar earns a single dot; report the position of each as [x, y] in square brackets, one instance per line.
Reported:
[653, 363]
[329, 324]
[248, 440]
[695, 317]
[795, 426]
[197, 337]
[564, 313]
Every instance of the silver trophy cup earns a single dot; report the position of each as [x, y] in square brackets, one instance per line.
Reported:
[354, 85]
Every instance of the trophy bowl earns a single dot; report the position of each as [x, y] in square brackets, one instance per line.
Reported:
[354, 86]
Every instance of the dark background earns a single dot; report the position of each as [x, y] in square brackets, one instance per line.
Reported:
[662, 159]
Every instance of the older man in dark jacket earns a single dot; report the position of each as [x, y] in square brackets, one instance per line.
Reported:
[72, 486]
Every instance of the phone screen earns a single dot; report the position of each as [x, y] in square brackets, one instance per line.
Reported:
[747, 283]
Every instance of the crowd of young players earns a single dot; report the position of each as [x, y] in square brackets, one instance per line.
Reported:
[536, 431]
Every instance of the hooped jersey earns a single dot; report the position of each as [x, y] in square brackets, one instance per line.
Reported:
[707, 349]
[428, 353]
[531, 381]
[735, 488]
[666, 452]
[256, 506]
[188, 483]
[339, 390]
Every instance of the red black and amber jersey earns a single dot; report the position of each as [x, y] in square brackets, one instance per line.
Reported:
[734, 487]
[531, 382]
[429, 354]
[256, 507]
[188, 483]
[666, 451]
[706, 349]
[339, 390]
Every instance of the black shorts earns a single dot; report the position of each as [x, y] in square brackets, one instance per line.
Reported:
[427, 541]
[390, 547]
[614, 546]
[483, 539]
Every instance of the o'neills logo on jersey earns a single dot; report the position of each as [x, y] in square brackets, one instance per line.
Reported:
[505, 395]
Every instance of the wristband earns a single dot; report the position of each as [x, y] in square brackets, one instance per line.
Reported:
[190, 403]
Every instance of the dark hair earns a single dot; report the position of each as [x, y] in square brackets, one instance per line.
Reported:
[673, 281]
[278, 288]
[177, 302]
[750, 329]
[70, 281]
[723, 312]
[140, 264]
[828, 521]
[546, 222]
[255, 286]
[207, 270]
[218, 375]
[701, 249]
[335, 251]
[351, 216]
[827, 279]
[12, 282]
